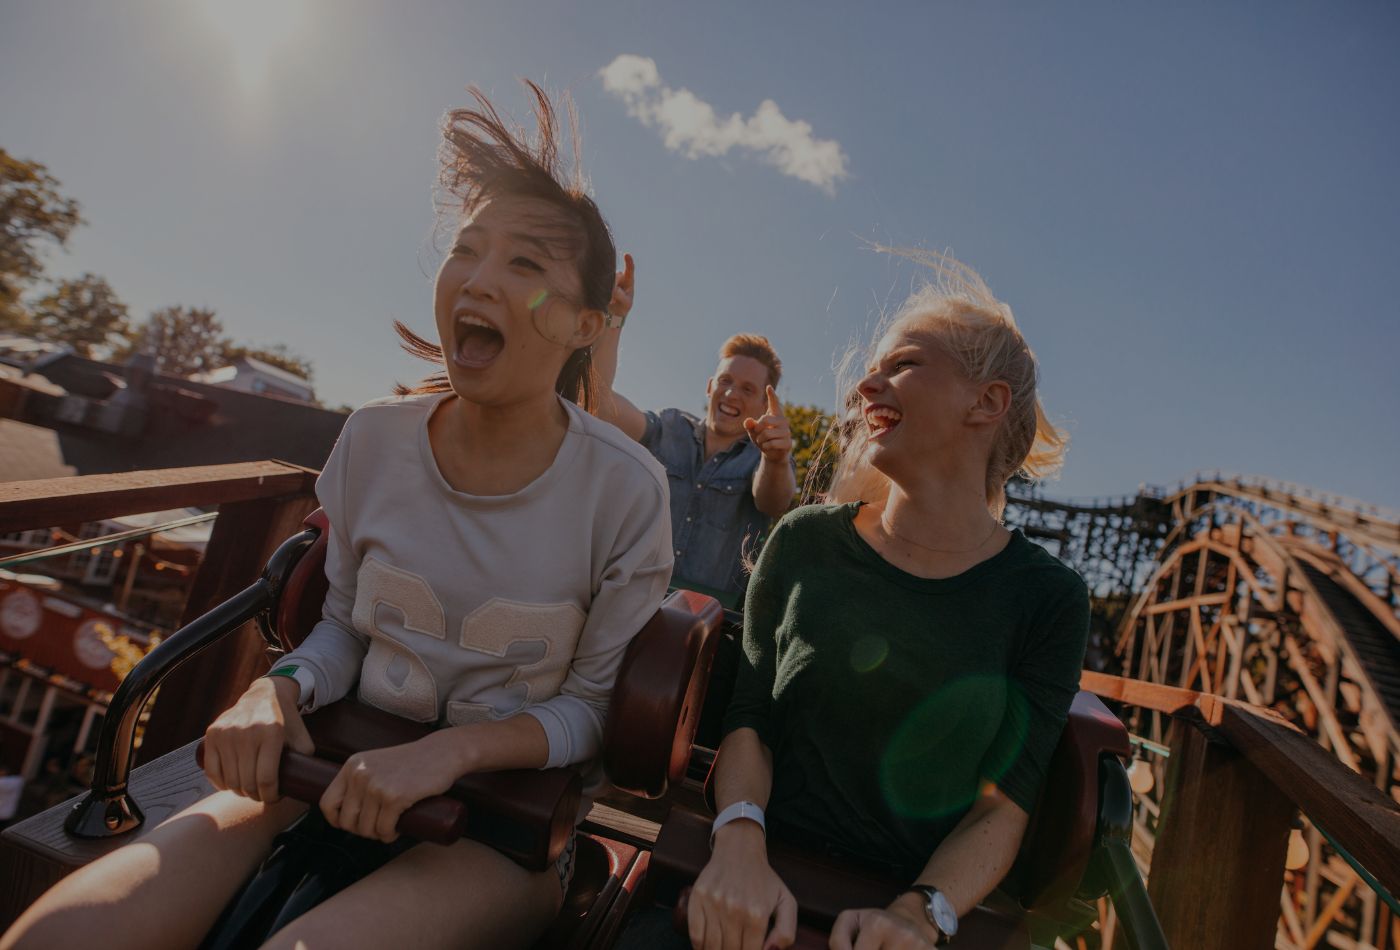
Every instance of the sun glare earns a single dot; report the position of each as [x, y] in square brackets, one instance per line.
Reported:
[254, 30]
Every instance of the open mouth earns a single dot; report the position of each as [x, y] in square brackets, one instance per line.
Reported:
[881, 419]
[478, 342]
[729, 412]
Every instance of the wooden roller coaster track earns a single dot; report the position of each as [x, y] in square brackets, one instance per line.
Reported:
[1266, 592]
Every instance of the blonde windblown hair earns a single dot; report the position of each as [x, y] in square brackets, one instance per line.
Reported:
[959, 312]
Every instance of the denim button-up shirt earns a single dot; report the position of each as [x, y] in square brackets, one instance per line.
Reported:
[714, 521]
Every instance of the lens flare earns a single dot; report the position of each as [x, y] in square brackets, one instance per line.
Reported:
[868, 653]
[255, 32]
[981, 719]
[538, 299]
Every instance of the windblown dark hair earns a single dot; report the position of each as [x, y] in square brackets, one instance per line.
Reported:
[485, 155]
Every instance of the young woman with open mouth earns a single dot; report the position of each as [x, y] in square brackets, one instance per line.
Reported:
[493, 550]
[908, 662]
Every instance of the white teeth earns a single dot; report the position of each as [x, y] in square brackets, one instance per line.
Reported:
[882, 417]
[474, 321]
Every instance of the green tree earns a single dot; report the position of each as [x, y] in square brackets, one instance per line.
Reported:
[31, 212]
[84, 313]
[184, 340]
[276, 355]
[813, 447]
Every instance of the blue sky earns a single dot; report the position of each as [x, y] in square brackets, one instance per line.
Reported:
[1193, 209]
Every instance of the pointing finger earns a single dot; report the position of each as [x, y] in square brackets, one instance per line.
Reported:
[622, 283]
[774, 407]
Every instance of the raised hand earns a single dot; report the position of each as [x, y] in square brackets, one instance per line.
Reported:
[621, 303]
[243, 747]
[770, 432]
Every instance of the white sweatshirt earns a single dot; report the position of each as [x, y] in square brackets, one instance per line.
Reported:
[456, 608]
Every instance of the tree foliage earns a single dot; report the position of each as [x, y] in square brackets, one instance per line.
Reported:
[32, 211]
[813, 450]
[189, 340]
[85, 313]
[184, 340]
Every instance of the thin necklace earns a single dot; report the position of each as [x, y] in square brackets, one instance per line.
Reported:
[895, 534]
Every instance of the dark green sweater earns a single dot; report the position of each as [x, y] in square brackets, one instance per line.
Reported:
[887, 699]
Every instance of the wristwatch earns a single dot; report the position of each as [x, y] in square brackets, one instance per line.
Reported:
[940, 913]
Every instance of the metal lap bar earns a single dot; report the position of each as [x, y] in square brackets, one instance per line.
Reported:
[108, 809]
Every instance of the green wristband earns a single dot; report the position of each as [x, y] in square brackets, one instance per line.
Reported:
[289, 671]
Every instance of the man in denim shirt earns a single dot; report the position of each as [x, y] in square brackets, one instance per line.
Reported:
[730, 473]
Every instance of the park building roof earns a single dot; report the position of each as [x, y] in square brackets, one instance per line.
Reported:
[251, 375]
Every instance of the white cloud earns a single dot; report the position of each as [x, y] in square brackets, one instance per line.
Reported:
[690, 125]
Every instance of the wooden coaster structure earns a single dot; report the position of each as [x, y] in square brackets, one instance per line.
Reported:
[1289, 600]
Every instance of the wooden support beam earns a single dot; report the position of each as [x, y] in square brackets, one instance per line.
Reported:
[1204, 655]
[1234, 641]
[1326, 711]
[46, 502]
[1355, 813]
[1329, 913]
[1217, 866]
[1289, 919]
[244, 535]
[1151, 661]
[1220, 646]
[1204, 600]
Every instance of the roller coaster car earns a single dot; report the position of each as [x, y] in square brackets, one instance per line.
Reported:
[1075, 851]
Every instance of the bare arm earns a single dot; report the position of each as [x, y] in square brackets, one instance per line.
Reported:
[613, 407]
[738, 900]
[773, 482]
[745, 773]
[773, 487]
[966, 867]
[973, 859]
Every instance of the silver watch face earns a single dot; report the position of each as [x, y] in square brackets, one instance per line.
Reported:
[943, 914]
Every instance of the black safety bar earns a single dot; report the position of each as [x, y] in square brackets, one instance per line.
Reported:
[108, 809]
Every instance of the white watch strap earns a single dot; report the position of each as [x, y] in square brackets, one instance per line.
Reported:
[734, 812]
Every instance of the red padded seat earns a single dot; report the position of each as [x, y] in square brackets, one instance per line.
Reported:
[1060, 837]
[299, 605]
[601, 869]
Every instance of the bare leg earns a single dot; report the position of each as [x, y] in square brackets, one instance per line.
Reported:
[165, 890]
[463, 896]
